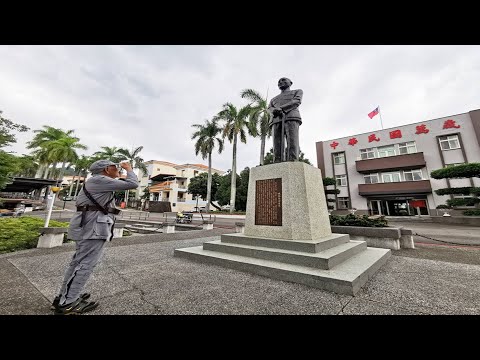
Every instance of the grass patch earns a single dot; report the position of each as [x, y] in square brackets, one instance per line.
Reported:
[22, 233]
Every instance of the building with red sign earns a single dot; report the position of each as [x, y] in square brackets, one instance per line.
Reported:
[387, 172]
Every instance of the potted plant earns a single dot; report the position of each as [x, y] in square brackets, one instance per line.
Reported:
[445, 209]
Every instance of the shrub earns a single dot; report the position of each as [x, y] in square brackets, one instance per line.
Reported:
[471, 213]
[443, 207]
[357, 220]
[463, 202]
[457, 172]
[22, 233]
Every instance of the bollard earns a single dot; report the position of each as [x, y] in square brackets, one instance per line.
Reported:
[207, 224]
[169, 227]
[118, 230]
[240, 227]
[51, 237]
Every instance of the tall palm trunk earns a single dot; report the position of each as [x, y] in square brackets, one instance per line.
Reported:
[78, 182]
[209, 182]
[71, 186]
[262, 149]
[38, 174]
[60, 175]
[233, 184]
[45, 174]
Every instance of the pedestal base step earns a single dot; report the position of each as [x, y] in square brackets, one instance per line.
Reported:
[346, 277]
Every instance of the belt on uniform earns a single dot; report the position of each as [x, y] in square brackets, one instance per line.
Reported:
[97, 208]
[89, 208]
[86, 208]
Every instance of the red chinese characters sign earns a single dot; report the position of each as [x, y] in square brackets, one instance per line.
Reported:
[422, 129]
[352, 141]
[450, 124]
[373, 137]
[395, 134]
[334, 145]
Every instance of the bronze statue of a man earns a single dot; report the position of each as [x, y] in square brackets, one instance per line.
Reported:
[286, 121]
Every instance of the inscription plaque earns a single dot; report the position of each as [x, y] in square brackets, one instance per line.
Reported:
[268, 202]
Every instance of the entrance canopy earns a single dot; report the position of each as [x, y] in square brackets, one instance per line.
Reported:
[26, 185]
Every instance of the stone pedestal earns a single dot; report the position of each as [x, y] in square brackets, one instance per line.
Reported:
[240, 227]
[207, 225]
[304, 213]
[118, 230]
[287, 235]
[169, 227]
[51, 237]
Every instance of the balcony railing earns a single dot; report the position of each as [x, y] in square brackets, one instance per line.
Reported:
[181, 200]
[404, 187]
[407, 161]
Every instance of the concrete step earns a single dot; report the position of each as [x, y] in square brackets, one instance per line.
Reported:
[310, 246]
[345, 278]
[325, 259]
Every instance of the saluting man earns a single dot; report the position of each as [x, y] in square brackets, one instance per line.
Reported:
[91, 227]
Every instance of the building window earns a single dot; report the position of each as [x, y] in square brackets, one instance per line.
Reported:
[407, 148]
[391, 177]
[367, 154]
[384, 151]
[371, 178]
[449, 142]
[413, 175]
[339, 158]
[343, 203]
[341, 180]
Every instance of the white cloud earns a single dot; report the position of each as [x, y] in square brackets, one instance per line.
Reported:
[127, 96]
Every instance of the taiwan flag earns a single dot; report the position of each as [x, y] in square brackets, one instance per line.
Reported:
[373, 113]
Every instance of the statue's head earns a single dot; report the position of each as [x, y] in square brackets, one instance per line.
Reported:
[284, 83]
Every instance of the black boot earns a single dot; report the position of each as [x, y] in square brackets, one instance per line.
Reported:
[56, 301]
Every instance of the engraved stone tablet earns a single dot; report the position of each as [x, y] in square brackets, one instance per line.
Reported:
[268, 202]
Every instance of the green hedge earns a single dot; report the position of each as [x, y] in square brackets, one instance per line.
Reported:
[443, 207]
[328, 181]
[463, 202]
[22, 233]
[357, 220]
[332, 191]
[458, 191]
[456, 172]
[471, 213]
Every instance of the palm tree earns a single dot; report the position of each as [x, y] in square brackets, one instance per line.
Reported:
[41, 156]
[27, 165]
[41, 140]
[110, 153]
[81, 166]
[260, 116]
[136, 161]
[236, 123]
[63, 150]
[207, 137]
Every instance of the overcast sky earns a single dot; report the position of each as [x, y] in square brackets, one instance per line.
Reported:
[127, 96]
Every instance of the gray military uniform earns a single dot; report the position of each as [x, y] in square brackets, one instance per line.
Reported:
[91, 237]
[96, 224]
[288, 101]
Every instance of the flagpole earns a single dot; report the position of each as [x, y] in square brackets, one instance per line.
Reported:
[379, 113]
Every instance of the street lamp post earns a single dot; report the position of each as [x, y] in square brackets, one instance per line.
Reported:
[55, 189]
